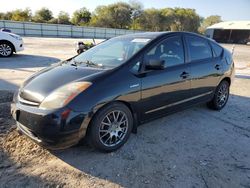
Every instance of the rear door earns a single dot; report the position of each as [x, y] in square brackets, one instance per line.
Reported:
[206, 69]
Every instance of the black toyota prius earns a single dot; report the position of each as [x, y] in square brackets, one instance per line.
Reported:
[104, 93]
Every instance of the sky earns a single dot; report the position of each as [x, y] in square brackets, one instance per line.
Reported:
[229, 10]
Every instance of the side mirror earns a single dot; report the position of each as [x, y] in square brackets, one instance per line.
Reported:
[155, 64]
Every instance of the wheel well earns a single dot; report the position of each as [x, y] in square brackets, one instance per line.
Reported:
[133, 112]
[10, 43]
[227, 79]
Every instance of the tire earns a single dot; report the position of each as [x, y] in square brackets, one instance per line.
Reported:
[110, 127]
[79, 51]
[6, 49]
[220, 96]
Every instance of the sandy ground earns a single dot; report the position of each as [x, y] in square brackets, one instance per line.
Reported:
[193, 148]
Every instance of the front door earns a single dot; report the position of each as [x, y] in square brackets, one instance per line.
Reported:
[162, 89]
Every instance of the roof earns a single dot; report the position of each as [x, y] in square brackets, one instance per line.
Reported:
[244, 25]
[150, 35]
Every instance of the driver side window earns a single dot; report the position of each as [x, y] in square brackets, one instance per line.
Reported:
[170, 50]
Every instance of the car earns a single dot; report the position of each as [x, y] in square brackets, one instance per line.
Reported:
[10, 43]
[103, 94]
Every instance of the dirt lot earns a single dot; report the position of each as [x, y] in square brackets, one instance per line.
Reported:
[193, 148]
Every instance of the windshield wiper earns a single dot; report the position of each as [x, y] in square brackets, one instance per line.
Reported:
[72, 62]
[88, 63]
[91, 63]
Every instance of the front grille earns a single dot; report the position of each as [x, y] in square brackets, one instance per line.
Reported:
[27, 102]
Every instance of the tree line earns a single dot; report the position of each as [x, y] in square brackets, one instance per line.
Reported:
[123, 16]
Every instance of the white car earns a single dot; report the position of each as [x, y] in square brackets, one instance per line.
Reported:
[9, 43]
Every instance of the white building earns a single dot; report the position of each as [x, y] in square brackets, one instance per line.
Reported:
[230, 32]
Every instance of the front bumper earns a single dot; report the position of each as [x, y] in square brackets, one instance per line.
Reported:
[50, 129]
[19, 46]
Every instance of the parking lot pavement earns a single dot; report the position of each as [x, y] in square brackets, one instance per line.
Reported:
[38, 53]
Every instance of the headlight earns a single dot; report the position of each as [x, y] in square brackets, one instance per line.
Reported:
[63, 95]
[16, 37]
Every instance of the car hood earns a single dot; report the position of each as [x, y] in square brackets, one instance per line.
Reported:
[40, 85]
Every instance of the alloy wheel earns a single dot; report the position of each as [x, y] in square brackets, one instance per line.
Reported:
[222, 95]
[5, 50]
[113, 128]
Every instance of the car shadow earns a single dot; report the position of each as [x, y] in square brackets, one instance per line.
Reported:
[5, 85]
[150, 157]
[20, 61]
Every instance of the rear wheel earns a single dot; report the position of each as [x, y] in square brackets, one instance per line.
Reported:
[220, 96]
[6, 49]
[111, 127]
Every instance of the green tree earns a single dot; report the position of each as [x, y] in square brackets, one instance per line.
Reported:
[117, 15]
[53, 21]
[185, 20]
[168, 19]
[2, 16]
[101, 17]
[150, 20]
[63, 18]
[6, 16]
[81, 17]
[210, 20]
[43, 15]
[21, 15]
[137, 11]
[121, 14]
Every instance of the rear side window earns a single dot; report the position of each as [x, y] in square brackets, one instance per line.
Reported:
[198, 48]
[217, 49]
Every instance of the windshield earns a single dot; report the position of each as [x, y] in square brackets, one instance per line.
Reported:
[111, 53]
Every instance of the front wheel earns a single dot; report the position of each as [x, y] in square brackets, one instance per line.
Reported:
[111, 127]
[220, 96]
[6, 49]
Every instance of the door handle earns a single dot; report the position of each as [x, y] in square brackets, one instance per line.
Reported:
[184, 75]
[217, 67]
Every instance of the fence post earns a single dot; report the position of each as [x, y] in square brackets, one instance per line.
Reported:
[82, 32]
[105, 33]
[71, 31]
[24, 33]
[57, 34]
[41, 30]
